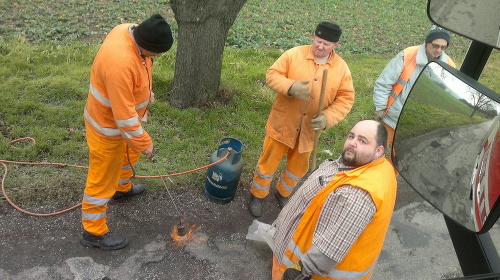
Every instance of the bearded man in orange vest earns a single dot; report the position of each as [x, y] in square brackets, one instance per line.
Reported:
[297, 78]
[119, 95]
[396, 80]
[334, 225]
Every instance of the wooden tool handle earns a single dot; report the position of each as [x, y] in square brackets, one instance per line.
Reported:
[320, 110]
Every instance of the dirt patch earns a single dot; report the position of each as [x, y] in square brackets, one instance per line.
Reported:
[48, 248]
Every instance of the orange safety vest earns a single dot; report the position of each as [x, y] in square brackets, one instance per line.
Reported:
[379, 180]
[409, 64]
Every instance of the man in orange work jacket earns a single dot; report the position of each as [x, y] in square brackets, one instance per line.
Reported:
[297, 78]
[396, 80]
[335, 224]
[119, 94]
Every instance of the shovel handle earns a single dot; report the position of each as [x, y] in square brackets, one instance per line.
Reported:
[322, 95]
[320, 110]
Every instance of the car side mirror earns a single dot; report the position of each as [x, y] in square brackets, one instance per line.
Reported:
[476, 20]
[447, 145]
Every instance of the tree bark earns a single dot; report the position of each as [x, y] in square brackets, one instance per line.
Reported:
[203, 27]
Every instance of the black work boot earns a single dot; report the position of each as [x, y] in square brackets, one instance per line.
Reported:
[108, 241]
[122, 196]
[281, 199]
[255, 206]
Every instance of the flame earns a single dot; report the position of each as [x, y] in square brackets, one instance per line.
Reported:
[190, 235]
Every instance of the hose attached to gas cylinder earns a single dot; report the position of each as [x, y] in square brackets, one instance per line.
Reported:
[4, 164]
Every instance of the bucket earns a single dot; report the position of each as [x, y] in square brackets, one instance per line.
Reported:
[222, 178]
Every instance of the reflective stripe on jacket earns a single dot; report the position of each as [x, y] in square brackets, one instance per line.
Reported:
[379, 180]
[290, 118]
[120, 89]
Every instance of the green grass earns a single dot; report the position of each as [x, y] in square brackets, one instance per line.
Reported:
[46, 54]
[382, 26]
[431, 107]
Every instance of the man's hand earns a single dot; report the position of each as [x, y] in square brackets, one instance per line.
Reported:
[148, 152]
[152, 97]
[294, 272]
[300, 90]
[319, 122]
[378, 115]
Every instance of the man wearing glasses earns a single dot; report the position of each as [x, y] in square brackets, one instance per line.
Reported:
[394, 83]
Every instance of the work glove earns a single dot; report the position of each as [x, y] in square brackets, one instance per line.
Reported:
[294, 272]
[378, 115]
[319, 122]
[299, 90]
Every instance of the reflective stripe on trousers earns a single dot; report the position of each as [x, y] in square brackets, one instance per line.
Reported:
[273, 152]
[127, 170]
[106, 162]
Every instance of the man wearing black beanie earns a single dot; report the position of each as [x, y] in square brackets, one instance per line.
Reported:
[297, 78]
[119, 95]
[394, 83]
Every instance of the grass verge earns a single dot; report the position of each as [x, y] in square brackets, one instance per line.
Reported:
[45, 81]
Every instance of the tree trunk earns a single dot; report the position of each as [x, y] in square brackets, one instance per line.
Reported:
[203, 27]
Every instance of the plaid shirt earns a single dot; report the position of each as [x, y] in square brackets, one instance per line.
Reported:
[345, 214]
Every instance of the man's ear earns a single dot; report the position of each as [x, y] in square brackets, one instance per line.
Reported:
[379, 151]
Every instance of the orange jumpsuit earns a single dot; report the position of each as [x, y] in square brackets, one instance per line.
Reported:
[288, 128]
[119, 94]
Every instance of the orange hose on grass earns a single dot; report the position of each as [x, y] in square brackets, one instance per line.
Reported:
[4, 164]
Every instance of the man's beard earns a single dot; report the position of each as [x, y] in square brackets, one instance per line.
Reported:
[351, 161]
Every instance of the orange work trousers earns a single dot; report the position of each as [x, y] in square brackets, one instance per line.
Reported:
[110, 170]
[273, 152]
[390, 134]
[277, 274]
[390, 140]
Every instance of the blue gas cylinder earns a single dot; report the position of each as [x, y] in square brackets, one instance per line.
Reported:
[223, 178]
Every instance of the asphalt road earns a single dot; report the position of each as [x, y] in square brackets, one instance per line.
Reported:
[417, 244]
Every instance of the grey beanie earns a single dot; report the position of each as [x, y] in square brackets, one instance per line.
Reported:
[438, 33]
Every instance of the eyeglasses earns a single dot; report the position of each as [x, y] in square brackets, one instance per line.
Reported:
[437, 47]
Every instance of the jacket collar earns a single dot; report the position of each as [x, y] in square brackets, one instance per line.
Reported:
[310, 55]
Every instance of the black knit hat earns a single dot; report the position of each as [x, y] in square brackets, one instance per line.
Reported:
[438, 33]
[328, 31]
[154, 34]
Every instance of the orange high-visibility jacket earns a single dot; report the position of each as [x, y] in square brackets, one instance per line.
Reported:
[120, 89]
[290, 118]
[409, 65]
[379, 180]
